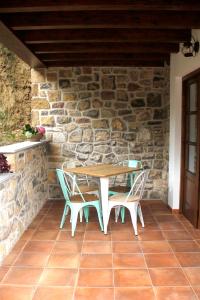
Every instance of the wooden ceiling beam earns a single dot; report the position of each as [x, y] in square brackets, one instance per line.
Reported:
[103, 63]
[100, 19]
[103, 35]
[9, 40]
[105, 48]
[77, 5]
[103, 56]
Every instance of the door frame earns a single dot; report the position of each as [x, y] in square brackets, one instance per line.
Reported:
[183, 135]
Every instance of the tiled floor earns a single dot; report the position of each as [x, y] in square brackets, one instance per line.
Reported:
[48, 264]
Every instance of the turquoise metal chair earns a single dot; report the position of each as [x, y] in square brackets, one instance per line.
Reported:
[76, 201]
[124, 189]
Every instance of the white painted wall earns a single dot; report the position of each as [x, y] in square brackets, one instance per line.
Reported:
[179, 67]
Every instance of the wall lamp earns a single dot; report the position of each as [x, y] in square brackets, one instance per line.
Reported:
[191, 48]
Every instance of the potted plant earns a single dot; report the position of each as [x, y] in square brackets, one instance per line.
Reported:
[33, 133]
[4, 166]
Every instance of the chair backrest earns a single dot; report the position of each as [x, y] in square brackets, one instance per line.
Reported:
[74, 164]
[133, 163]
[68, 184]
[138, 186]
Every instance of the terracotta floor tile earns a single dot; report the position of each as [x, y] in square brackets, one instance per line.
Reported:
[53, 293]
[64, 261]
[95, 278]
[131, 277]
[151, 235]
[166, 218]
[158, 260]
[171, 226]
[149, 226]
[187, 259]
[67, 247]
[96, 247]
[49, 225]
[126, 247]
[79, 226]
[122, 236]
[94, 293]
[168, 276]
[96, 261]
[3, 271]
[136, 293]
[58, 277]
[197, 291]
[194, 232]
[193, 274]
[155, 246]
[175, 293]
[10, 259]
[23, 276]
[128, 261]
[94, 226]
[27, 235]
[45, 235]
[19, 246]
[177, 235]
[127, 226]
[184, 246]
[31, 259]
[97, 236]
[66, 236]
[15, 293]
[39, 246]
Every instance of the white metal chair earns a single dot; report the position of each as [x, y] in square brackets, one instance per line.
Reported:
[76, 201]
[131, 200]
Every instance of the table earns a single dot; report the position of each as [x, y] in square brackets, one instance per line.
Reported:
[103, 172]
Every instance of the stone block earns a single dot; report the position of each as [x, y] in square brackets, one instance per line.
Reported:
[108, 95]
[83, 105]
[85, 148]
[154, 99]
[85, 95]
[38, 75]
[52, 76]
[108, 82]
[64, 83]
[122, 96]
[55, 112]
[93, 86]
[108, 113]
[35, 118]
[92, 113]
[58, 105]
[69, 97]
[39, 103]
[102, 135]
[66, 73]
[68, 150]
[53, 96]
[63, 120]
[118, 125]
[76, 136]
[132, 87]
[138, 102]
[34, 90]
[100, 123]
[84, 78]
[48, 121]
[87, 135]
[59, 137]
[96, 103]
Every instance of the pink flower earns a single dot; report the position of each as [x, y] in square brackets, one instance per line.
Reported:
[41, 130]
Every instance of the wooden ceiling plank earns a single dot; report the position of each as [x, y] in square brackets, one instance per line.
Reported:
[105, 48]
[101, 63]
[8, 39]
[99, 19]
[105, 35]
[103, 56]
[75, 5]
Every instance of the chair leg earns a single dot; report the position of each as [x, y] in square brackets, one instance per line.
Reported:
[74, 216]
[86, 213]
[98, 208]
[81, 215]
[65, 212]
[140, 215]
[123, 214]
[117, 212]
[133, 213]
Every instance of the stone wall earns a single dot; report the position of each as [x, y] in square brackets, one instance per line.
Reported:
[97, 115]
[22, 195]
[15, 95]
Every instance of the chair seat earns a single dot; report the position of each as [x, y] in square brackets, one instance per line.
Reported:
[88, 188]
[119, 189]
[87, 197]
[122, 198]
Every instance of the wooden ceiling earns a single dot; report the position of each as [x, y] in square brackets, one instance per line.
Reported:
[97, 32]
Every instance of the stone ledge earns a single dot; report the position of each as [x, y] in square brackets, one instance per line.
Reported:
[17, 147]
[5, 176]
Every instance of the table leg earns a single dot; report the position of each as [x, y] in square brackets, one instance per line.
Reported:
[104, 183]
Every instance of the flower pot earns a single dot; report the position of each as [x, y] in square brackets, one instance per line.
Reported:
[36, 138]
